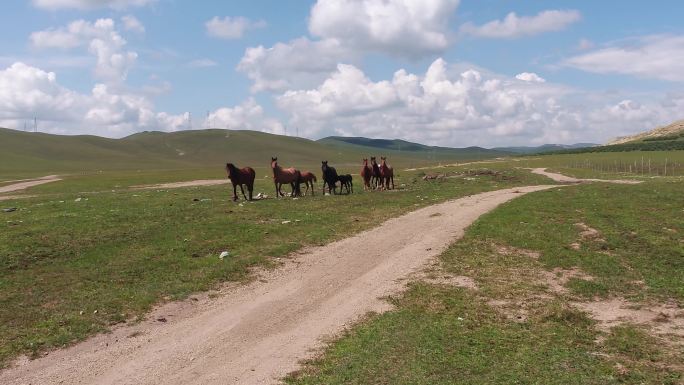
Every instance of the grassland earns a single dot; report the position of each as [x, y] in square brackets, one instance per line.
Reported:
[71, 268]
[520, 324]
[633, 164]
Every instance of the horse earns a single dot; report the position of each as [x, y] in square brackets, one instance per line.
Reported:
[377, 175]
[329, 177]
[346, 182]
[287, 175]
[387, 173]
[241, 176]
[366, 174]
[308, 178]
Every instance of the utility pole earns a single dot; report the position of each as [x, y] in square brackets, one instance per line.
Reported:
[206, 122]
[189, 120]
[35, 124]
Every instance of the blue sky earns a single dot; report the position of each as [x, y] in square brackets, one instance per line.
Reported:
[472, 72]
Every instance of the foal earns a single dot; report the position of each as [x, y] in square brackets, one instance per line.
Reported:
[346, 182]
[308, 178]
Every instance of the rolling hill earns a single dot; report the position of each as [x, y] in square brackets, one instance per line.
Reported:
[671, 132]
[544, 148]
[39, 152]
[401, 148]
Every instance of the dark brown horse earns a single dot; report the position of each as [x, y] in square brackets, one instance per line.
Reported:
[285, 175]
[366, 174]
[308, 178]
[239, 177]
[376, 177]
[387, 174]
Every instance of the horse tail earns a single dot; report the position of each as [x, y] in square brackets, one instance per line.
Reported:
[313, 176]
[298, 181]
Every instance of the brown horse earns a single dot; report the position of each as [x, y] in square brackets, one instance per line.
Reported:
[376, 177]
[387, 174]
[366, 174]
[286, 175]
[240, 176]
[308, 178]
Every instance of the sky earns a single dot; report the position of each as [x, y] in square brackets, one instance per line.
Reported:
[439, 72]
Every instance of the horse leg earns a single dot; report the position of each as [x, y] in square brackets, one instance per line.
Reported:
[250, 188]
[392, 182]
[243, 192]
[235, 198]
[351, 184]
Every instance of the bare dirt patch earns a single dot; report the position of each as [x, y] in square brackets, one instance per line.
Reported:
[190, 183]
[589, 233]
[8, 197]
[514, 251]
[452, 280]
[557, 278]
[665, 319]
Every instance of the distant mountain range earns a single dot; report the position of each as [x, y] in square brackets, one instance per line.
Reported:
[402, 145]
[544, 148]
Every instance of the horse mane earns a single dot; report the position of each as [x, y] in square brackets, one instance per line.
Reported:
[231, 168]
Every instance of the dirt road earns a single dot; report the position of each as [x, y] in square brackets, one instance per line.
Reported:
[190, 183]
[29, 183]
[568, 179]
[256, 333]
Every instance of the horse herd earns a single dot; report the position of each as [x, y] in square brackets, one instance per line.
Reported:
[375, 176]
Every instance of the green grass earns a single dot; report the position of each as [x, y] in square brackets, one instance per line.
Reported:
[442, 335]
[612, 165]
[120, 251]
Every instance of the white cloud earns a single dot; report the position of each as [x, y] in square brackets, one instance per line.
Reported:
[102, 40]
[470, 107]
[131, 23]
[654, 57]
[89, 4]
[347, 30]
[27, 92]
[412, 28]
[247, 116]
[231, 27]
[299, 63]
[530, 77]
[202, 63]
[514, 26]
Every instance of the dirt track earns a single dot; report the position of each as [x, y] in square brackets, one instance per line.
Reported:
[190, 183]
[568, 179]
[28, 183]
[256, 333]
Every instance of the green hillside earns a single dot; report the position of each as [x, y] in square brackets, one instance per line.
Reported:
[401, 148]
[24, 152]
